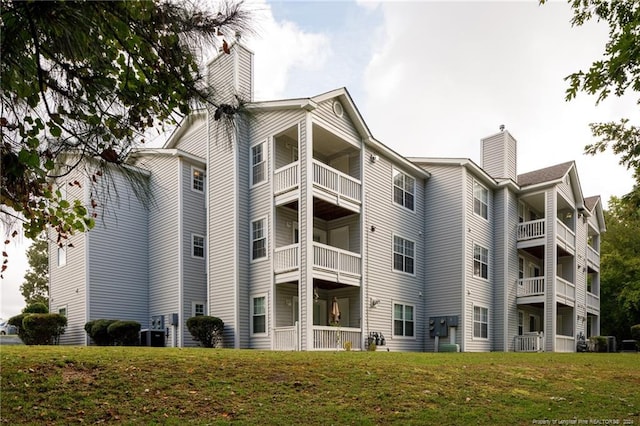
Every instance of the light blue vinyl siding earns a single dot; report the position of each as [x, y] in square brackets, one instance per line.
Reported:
[383, 282]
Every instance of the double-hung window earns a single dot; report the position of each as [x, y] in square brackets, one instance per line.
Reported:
[258, 239]
[480, 200]
[480, 322]
[62, 256]
[197, 246]
[258, 164]
[480, 262]
[197, 309]
[259, 314]
[197, 179]
[404, 188]
[403, 320]
[403, 255]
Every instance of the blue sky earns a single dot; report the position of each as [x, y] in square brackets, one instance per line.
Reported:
[432, 78]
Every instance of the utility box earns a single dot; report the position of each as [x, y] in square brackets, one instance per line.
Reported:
[439, 326]
[173, 318]
[154, 338]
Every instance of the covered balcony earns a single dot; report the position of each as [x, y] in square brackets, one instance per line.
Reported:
[530, 342]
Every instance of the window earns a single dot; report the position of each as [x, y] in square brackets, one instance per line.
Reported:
[258, 164]
[403, 255]
[480, 322]
[62, 256]
[520, 212]
[62, 311]
[259, 315]
[520, 268]
[403, 189]
[480, 262]
[403, 320]
[520, 323]
[197, 309]
[197, 246]
[197, 179]
[480, 200]
[258, 239]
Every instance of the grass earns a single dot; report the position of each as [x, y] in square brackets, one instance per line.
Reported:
[66, 385]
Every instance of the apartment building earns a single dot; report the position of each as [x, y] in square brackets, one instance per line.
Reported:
[301, 231]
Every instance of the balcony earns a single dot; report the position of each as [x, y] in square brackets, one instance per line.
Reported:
[565, 292]
[531, 230]
[530, 287]
[566, 237]
[336, 187]
[593, 257]
[593, 303]
[286, 338]
[565, 343]
[530, 342]
[334, 338]
[286, 178]
[329, 263]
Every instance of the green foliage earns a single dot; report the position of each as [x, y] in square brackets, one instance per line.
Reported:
[42, 329]
[616, 73]
[206, 329]
[124, 333]
[599, 343]
[98, 331]
[35, 287]
[86, 80]
[635, 332]
[620, 270]
[36, 308]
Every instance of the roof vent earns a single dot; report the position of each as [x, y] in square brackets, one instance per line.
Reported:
[502, 127]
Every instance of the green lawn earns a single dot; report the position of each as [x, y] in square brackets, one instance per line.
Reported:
[66, 385]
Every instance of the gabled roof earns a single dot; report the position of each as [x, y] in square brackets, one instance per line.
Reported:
[594, 205]
[590, 202]
[186, 124]
[548, 174]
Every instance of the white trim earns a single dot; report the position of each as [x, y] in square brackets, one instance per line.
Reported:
[180, 309]
[473, 330]
[66, 310]
[473, 266]
[393, 320]
[204, 246]
[394, 169]
[198, 302]
[266, 239]
[61, 260]
[393, 252]
[252, 314]
[473, 190]
[463, 270]
[265, 164]
[195, 169]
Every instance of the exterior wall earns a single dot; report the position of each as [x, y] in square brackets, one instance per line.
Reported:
[551, 254]
[478, 290]
[444, 234]
[193, 221]
[382, 281]
[194, 141]
[68, 284]
[580, 274]
[342, 126]
[499, 156]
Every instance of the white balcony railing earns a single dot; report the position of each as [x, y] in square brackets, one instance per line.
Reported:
[530, 342]
[593, 302]
[565, 344]
[286, 338]
[530, 230]
[286, 178]
[566, 235]
[565, 289]
[336, 182]
[533, 286]
[334, 338]
[286, 258]
[336, 260]
[593, 256]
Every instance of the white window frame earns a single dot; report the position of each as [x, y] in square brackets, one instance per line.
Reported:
[487, 263]
[196, 174]
[265, 237]
[521, 268]
[488, 318]
[262, 163]
[266, 312]
[194, 304]
[62, 256]
[394, 173]
[403, 254]
[403, 319]
[66, 310]
[193, 246]
[481, 202]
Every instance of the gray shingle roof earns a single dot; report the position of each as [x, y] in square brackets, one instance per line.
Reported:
[590, 202]
[544, 175]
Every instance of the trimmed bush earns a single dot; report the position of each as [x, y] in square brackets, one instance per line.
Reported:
[635, 332]
[206, 330]
[599, 343]
[43, 329]
[98, 331]
[36, 308]
[124, 333]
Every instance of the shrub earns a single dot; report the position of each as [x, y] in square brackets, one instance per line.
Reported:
[635, 332]
[43, 329]
[17, 322]
[599, 342]
[98, 331]
[206, 330]
[36, 308]
[124, 333]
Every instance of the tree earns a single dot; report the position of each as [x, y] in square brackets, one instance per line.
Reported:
[617, 73]
[620, 269]
[91, 78]
[35, 287]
